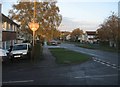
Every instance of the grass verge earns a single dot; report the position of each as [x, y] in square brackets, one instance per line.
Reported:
[97, 47]
[64, 56]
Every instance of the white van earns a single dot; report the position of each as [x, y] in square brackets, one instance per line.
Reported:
[22, 50]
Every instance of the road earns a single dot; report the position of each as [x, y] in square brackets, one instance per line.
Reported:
[47, 72]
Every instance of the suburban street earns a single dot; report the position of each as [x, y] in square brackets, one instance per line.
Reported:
[85, 35]
[47, 72]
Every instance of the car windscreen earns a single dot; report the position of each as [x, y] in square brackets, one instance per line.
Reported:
[20, 47]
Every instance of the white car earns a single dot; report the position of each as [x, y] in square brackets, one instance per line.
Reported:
[22, 50]
[53, 42]
[3, 55]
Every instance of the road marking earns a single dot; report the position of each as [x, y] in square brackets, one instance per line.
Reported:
[113, 64]
[94, 60]
[102, 63]
[114, 67]
[22, 81]
[98, 76]
[98, 61]
[106, 63]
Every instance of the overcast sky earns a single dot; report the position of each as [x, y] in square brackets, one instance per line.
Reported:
[87, 14]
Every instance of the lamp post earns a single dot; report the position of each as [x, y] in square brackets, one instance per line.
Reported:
[33, 24]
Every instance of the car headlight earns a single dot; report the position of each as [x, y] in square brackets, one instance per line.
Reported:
[25, 53]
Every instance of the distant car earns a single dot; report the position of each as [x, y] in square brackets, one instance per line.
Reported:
[59, 42]
[3, 55]
[20, 51]
[53, 42]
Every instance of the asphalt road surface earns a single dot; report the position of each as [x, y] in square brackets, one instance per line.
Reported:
[47, 72]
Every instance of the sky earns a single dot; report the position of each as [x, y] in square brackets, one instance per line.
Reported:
[86, 15]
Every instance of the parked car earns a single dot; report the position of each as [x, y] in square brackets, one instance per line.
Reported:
[3, 55]
[53, 42]
[20, 51]
[59, 42]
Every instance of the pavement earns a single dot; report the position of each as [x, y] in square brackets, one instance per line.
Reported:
[47, 72]
[49, 60]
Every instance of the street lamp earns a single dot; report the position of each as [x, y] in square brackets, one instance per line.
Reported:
[33, 24]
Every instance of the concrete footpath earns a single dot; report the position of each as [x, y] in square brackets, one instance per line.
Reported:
[49, 60]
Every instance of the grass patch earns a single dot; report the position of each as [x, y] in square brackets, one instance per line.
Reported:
[88, 46]
[97, 47]
[64, 56]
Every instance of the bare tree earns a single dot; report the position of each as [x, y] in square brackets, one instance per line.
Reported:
[109, 30]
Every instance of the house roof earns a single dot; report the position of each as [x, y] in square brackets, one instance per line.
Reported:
[91, 32]
[5, 18]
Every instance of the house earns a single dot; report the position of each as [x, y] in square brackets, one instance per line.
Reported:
[9, 32]
[65, 35]
[90, 36]
[82, 38]
[0, 27]
[68, 37]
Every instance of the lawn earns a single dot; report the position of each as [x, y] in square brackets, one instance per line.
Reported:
[64, 56]
[97, 47]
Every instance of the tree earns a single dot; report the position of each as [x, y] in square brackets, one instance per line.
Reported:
[47, 15]
[76, 33]
[118, 39]
[109, 30]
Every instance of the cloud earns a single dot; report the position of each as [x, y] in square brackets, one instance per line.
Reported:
[69, 24]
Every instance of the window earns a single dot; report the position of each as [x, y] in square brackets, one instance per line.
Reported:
[20, 47]
[4, 25]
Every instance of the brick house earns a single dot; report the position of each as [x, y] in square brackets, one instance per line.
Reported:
[9, 32]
